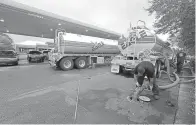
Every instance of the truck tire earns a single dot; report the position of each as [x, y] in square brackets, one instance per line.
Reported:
[81, 62]
[121, 69]
[66, 64]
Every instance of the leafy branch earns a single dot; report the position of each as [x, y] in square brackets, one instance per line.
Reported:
[177, 18]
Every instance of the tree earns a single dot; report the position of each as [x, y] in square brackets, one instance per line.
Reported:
[6, 43]
[175, 17]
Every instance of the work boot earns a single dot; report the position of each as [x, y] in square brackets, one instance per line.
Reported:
[156, 97]
[155, 91]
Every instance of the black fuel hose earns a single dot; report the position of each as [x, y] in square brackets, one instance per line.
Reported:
[177, 79]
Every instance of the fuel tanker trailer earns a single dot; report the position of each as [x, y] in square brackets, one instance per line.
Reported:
[79, 51]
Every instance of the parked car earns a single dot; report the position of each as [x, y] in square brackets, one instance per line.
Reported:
[35, 56]
[8, 57]
[45, 54]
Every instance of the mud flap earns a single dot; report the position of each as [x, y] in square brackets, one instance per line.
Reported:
[115, 68]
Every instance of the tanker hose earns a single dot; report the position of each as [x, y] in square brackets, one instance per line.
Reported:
[168, 74]
[177, 81]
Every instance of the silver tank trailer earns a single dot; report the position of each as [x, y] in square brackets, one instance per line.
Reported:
[87, 48]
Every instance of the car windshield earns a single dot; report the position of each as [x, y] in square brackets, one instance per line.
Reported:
[6, 53]
[34, 52]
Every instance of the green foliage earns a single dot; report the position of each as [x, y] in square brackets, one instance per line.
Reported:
[175, 17]
[6, 43]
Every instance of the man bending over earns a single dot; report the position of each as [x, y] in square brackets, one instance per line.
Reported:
[143, 69]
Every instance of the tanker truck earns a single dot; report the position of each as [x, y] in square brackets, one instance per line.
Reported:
[8, 54]
[6, 43]
[79, 51]
[140, 45]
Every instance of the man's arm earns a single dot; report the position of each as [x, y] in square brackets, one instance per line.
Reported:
[135, 73]
[135, 78]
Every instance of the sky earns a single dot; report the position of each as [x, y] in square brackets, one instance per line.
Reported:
[114, 15]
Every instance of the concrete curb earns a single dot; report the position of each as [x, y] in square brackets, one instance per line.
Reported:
[186, 104]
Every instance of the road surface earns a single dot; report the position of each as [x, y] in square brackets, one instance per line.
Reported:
[38, 94]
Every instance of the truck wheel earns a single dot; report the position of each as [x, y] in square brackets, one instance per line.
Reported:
[121, 69]
[81, 62]
[66, 64]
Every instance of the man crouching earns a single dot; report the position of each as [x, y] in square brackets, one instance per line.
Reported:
[143, 69]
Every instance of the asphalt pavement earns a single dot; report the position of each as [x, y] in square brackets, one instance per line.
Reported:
[38, 94]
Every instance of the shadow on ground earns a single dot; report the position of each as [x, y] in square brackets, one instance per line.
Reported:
[126, 75]
[7, 66]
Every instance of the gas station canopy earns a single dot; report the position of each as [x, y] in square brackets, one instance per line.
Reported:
[17, 18]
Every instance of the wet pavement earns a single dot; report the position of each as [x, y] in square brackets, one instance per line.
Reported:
[40, 94]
